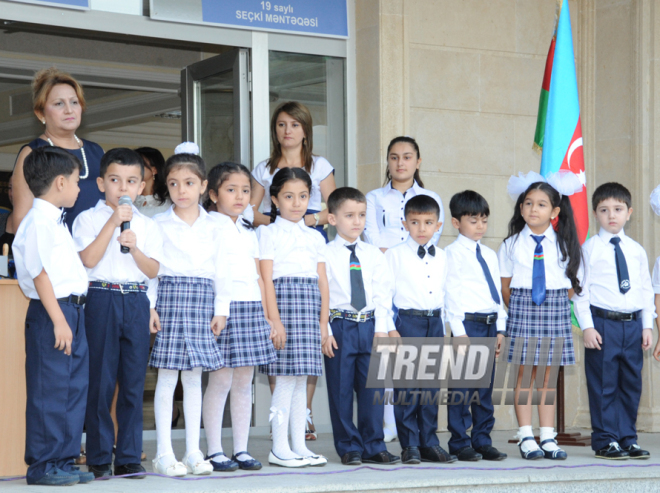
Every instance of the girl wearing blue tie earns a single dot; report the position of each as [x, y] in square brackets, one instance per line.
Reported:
[540, 265]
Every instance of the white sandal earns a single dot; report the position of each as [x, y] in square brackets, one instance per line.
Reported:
[174, 469]
[195, 463]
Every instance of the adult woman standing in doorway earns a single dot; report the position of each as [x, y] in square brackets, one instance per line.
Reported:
[292, 141]
[58, 103]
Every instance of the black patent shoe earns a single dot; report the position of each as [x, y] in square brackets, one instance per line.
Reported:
[383, 457]
[101, 471]
[436, 454]
[636, 452]
[612, 452]
[488, 452]
[136, 469]
[411, 455]
[351, 459]
[468, 454]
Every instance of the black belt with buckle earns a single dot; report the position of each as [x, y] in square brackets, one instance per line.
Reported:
[482, 318]
[74, 298]
[422, 313]
[352, 316]
[619, 316]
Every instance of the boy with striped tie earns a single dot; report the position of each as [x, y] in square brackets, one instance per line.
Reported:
[360, 309]
[616, 312]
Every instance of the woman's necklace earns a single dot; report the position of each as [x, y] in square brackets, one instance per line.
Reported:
[82, 151]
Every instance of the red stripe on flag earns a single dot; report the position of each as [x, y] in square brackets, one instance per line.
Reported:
[574, 161]
[548, 65]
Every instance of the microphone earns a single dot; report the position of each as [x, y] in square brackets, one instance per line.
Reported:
[125, 200]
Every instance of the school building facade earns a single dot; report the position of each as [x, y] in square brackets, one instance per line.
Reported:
[462, 77]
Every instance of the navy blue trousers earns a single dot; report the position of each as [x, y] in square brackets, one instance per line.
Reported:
[117, 327]
[614, 382]
[478, 416]
[56, 391]
[347, 373]
[416, 424]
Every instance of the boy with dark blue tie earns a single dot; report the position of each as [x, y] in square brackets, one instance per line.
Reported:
[474, 309]
[616, 312]
[360, 309]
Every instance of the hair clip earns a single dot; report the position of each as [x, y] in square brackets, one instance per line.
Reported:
[187, 148]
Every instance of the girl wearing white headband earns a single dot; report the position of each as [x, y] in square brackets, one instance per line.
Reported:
[541, 269]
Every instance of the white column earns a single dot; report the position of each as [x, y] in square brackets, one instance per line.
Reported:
[260, 98]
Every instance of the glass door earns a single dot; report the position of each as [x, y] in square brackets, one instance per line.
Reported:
[215, 105]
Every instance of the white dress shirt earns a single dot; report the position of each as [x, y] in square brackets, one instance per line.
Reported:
[201, 250]
[601, 284]
[378, 282]
[516, 258]
[114, 266]
[243, 266]
[419, 284]
[385, 208]
[43, 242]
[467, 288]
[149, 206]
[656, 276]
[321, 169]
[295, 249]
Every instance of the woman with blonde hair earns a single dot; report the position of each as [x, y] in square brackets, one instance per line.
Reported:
[58, 103]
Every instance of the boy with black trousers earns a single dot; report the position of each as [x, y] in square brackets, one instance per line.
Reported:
[119, 264]
[360, 309]
[615, 311]
[474, 309]
[51, 275]
[419, 269]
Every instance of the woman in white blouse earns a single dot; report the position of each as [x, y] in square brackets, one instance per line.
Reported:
[292, 141]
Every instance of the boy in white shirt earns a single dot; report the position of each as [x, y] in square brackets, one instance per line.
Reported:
[420, 271]
[360, 309]
[474, 309]
[51, 275]
[616, 311]
[117, 314]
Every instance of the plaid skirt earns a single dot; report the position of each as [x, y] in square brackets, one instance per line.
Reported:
[245, 340]
[185, 306]
[527, 320]
[299, 304]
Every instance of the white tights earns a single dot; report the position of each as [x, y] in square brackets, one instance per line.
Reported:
[289, 405]
[192, 408]
[239, 381]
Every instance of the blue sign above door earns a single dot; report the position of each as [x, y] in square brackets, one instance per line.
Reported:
[72, 4]
[312, 17]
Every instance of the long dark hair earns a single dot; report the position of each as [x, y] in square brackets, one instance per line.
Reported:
[567, 237]
[281, 177]
[219, 174]
[407, 140]
[301, 114]
[154, 159]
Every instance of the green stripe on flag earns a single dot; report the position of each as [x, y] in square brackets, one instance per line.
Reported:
[540, 120]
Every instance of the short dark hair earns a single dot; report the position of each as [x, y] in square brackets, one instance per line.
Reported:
[611, 190]
[422, 204]
[341, 195]
[44, 164]
[468, 203]
[122, 156]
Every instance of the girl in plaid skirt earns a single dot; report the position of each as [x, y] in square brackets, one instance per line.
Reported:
[247, 339]
[194, 291]
[293, 269]
[541, 268]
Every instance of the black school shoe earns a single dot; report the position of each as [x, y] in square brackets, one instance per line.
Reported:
[131, 469]
[636, 452]
[488, 452]
[468, 454]
[383, 457]
[101, 471]
[612, 452]
[411, 455]
[436, 454]
[351, 459]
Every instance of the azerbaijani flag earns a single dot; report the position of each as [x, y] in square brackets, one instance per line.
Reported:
[558, 129]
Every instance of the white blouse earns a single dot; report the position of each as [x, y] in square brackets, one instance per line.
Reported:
[243, 267]
[385, 212]
[516, 256]
[295, 249]
[201, 250]
[321, 169]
